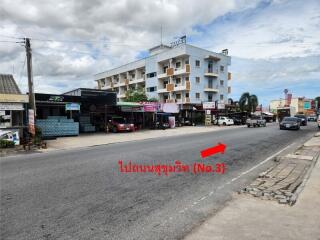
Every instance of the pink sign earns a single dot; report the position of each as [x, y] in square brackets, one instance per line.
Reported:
[150, 106]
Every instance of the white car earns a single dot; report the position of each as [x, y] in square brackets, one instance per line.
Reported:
[224, 121]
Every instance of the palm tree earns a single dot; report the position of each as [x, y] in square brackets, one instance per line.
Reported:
[248, 102]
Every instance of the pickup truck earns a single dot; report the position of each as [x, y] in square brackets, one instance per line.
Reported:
[256, 122]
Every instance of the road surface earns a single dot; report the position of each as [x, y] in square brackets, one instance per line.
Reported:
[80, 193]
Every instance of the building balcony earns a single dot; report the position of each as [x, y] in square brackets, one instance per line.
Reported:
[162, 90]
[137, 80]
[170, 100]
[180, 87]
[211, 89]
[105, 87]
[180, 71]
[182, 100]
[121, 95]
[211, 73]
[162, 75]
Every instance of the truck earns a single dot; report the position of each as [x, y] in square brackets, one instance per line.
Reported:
[283, 112]
[256, 121]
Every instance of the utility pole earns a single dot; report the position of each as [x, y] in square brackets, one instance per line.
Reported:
[30, 76]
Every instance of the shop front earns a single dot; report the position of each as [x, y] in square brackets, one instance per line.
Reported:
[13, 107]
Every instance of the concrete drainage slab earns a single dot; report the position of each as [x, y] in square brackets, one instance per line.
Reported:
[283, 182]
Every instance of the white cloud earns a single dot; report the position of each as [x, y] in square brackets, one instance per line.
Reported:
[121, 29]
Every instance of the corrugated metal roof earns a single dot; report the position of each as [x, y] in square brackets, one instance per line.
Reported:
[8, 85]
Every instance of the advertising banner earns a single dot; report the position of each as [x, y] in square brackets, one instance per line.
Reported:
[209, 105]
[10, 135]
[170, 108]
[172, 122]
[31, 122]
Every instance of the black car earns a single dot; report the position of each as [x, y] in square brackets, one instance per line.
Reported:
[302, 118]
[237, 121]
[290, 123]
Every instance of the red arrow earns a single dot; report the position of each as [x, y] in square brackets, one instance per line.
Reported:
[213, 150]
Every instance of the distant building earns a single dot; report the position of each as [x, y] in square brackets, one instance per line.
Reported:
[184, 74]
[298, 105]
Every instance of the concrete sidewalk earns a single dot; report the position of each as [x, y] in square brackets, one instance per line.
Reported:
[246, 217]
[86, 140]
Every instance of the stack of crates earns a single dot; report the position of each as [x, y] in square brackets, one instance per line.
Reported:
[85, 124]
[57, 126]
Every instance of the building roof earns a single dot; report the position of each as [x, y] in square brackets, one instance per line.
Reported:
[8, 85]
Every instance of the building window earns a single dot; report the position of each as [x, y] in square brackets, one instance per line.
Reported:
[187, 61]
[209, 97]
[187, 78]
[151, 89]
[165, 69]
[221, 97]
[221, 68]
[178, 80]
[197, 79]
[197, 63]
[178, 96]
[187, 94]
[221, 82]
[178, 64]
[197, 95]
[151, 75]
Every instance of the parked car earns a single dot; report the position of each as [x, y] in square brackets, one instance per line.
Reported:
[256, 121]
[237, 121]
[319, 121]
[119, 124]
[312, 117]
[224, 121]
[290, 123]
[303, 119]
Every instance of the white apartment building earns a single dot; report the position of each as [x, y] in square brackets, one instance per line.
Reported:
[183, 74]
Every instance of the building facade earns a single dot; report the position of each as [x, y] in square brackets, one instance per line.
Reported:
[297, 105]
[184, 74]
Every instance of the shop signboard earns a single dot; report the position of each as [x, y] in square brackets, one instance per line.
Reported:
[221, 106]
[209, 105]
[170, 108]
[11, 106]
[307, 105]
[72, 107]
[31, 121]
[150, 106]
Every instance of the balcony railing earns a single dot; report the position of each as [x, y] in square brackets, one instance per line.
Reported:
[211, 88]
[211, 72]
[181, 87]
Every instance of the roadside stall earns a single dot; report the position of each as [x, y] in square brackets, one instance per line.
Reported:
[13, 107]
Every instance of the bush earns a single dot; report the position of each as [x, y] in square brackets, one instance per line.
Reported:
[6, 144]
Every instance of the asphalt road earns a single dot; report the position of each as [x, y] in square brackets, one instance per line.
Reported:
[80, 194]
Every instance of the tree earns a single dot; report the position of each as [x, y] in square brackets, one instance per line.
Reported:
[248, 102]
[136, 95]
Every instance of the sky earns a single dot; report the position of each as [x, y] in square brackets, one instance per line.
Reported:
[274, 44]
